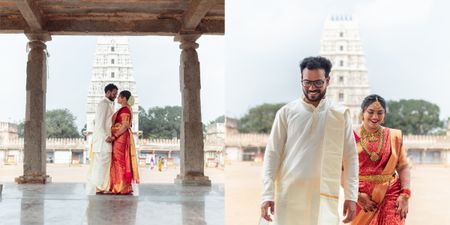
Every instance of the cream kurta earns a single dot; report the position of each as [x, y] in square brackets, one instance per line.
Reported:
[100, 154]
[307, 148]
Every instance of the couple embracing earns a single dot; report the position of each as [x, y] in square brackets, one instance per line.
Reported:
[112, 158]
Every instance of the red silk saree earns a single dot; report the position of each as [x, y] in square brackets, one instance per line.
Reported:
[379, 181]
[124, 170]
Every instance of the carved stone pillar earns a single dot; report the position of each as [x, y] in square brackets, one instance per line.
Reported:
[35, 156]
[191, 143]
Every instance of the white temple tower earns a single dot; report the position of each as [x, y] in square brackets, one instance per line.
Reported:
[341, 44]
[112, 64]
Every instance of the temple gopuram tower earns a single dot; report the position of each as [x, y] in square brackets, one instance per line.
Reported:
[341, 43]
[112, 64]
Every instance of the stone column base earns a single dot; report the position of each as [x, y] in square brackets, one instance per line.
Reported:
[28, 179]
[193, 180]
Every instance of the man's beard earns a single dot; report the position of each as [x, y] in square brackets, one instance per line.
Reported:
[110, 98]
[315, 99]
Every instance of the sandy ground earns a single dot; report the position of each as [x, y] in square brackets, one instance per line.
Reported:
[428, 204]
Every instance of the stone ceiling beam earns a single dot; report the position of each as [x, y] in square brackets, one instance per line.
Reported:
[12, 24]
[89, 26]
[32, 14]
[111, 27]
[196, 11]
[168, 27]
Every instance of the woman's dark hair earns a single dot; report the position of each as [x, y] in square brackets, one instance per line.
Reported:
[371, 99]
[125, 94]
[317, 62]
[110, 87]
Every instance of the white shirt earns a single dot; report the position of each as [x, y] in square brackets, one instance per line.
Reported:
[102, 126]
[293, 154]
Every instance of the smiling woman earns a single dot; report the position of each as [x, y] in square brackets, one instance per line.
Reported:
[384, 176]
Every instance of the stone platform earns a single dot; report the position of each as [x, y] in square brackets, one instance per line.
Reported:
[66, 204]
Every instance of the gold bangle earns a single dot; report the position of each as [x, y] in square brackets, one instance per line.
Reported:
[406, 192]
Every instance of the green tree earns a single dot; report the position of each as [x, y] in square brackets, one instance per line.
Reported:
[413, 116]
[21, 129]
[82, 134]
[220, 119]
[259, 119]
[160, 122]
[144, 122]
[61, 124]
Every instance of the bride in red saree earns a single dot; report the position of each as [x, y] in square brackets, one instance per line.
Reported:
[124, 170]
[384, 176]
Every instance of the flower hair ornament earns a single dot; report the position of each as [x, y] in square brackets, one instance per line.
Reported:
[130, 101]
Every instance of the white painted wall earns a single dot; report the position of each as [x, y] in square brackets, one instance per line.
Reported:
[63, 156]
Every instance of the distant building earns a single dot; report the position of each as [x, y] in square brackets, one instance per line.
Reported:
[421, 149]
[72, 150]
[8, 131]
[8, 134]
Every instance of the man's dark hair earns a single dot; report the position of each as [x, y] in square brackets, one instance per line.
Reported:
[371, 99]
[110, 87]
[317, 62]
[125, 94]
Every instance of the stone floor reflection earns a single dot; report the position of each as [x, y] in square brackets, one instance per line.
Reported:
[66, 204]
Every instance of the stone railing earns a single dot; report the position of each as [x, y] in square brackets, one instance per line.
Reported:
[409, 141]
[81, 144]
[174, 145]
[52, 143]
[158, 144]
[426, 142]
[159, 141]
[217, 144]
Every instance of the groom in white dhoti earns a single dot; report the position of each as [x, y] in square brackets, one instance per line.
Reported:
[311, 146]
[101, 148]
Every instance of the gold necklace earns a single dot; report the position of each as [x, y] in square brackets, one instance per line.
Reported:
[372, 136]
[374, 156]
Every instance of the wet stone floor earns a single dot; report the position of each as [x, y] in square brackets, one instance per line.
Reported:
[67, 204]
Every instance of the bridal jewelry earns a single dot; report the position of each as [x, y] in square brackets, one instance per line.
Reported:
[372, 137]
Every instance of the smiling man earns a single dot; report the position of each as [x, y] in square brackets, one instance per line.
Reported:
[311, 146]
